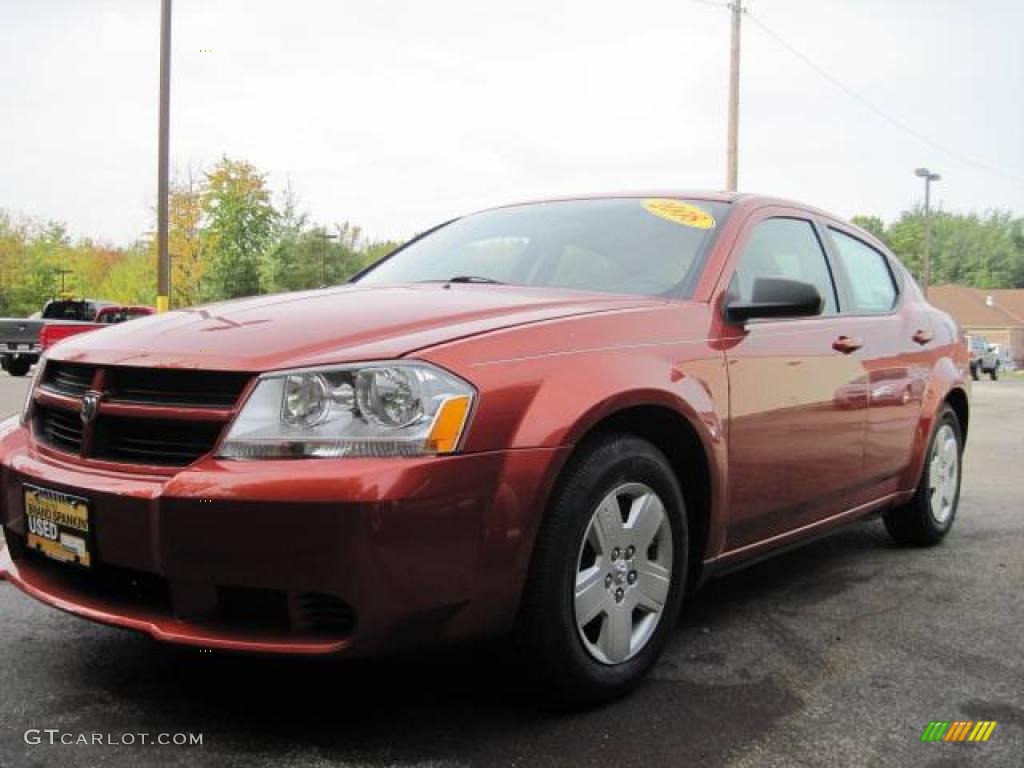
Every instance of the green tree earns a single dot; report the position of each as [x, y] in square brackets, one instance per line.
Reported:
[239, 231]
[980, 250]
[285, 266]
[872, 224]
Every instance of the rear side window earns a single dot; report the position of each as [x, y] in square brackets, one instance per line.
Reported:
[872, 289]
[787, 248]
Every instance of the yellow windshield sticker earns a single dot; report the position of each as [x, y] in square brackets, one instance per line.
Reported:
[681, 213]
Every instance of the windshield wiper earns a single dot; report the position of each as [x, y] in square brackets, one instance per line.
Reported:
[472, 279]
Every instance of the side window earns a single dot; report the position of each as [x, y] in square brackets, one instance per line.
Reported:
[872, 289]
[786, 248]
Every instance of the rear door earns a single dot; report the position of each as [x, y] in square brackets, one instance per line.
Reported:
[897, 342]
[798, 393]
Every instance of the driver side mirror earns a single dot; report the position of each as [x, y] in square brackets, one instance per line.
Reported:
[776, 298]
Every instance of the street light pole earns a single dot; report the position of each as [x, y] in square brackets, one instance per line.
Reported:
[163, 290]
[325, 236]
[926, 265]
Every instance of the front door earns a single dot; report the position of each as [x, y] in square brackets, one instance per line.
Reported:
[798, 391]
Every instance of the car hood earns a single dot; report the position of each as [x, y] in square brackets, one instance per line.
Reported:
[332, 325]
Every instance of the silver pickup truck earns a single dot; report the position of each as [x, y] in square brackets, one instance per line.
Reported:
[984, 358]
[19, 336]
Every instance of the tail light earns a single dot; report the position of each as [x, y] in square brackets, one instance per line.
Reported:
[46, 336]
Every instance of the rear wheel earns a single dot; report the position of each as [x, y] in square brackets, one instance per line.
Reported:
[994, 373]
[927, 517]
[608, 572]
[18, 366]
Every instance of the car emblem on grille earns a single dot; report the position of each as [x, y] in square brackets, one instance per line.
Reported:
[90, 405]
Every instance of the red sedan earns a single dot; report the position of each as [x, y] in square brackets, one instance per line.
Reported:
[554, 417]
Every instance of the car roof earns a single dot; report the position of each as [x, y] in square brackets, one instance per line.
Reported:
[749, 199]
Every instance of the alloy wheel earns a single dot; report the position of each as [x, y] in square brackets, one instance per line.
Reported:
[943, 474]
[623, 573]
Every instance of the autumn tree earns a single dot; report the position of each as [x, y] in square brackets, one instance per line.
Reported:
[184, 226]
[239, 230]
[132, 280]
[225, 238]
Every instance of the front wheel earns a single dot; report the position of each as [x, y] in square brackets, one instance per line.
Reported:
[994, 373]
[974, 372]
[927, 517]
[608, 572]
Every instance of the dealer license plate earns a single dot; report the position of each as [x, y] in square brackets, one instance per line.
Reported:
[57, 525]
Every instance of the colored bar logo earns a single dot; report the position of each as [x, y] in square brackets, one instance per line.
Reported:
[958, 730]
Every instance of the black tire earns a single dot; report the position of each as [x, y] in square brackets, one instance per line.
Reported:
[974, 372]
[18, 366]
[559, 661]
[914, 524]
[994, 374]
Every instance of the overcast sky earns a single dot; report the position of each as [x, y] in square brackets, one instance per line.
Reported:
[398, 114]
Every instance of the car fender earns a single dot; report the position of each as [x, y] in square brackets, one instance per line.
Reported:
[945, 377]
[555, 402]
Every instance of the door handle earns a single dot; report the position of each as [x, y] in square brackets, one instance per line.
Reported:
[922, 337]
[846, 345]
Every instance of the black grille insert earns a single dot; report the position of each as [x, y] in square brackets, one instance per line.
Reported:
[125, 586]
[248, 608]
[176, 387]
[68, 378]
[318, 612]
[61, 429]
[251, 607]
[154, 441]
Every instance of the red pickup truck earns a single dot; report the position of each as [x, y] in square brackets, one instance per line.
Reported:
[51, 333]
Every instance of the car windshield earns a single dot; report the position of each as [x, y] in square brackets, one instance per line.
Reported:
[645, 246]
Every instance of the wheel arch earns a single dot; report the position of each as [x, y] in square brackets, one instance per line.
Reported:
[946, 386]
[691, 454]
[958, 401]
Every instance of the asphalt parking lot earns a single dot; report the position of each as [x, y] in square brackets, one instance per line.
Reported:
[837, 654]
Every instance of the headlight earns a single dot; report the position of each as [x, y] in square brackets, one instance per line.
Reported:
[37, 374]
[373, 409]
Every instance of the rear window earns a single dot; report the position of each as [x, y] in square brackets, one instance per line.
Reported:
[70, 310]
[644, 246]
[119, 315]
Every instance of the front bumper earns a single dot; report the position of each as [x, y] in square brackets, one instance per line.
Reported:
[312, 556]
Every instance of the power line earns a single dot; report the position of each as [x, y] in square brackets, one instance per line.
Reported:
[877, 110]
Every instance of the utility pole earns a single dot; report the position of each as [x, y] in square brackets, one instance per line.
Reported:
[163, 290]
[732, 161]
[324, 237]
[926, 265]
